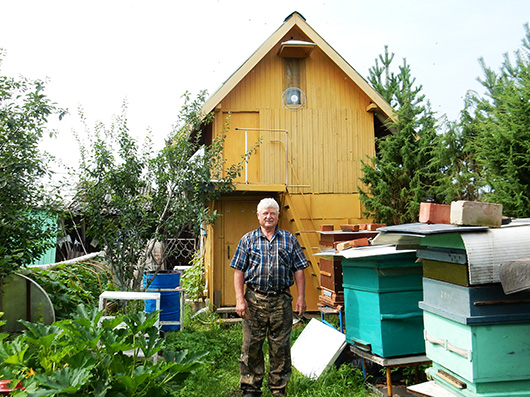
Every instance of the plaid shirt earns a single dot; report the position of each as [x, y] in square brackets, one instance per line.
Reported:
[269, 265]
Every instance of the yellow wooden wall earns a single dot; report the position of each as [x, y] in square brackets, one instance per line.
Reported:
[327, 138]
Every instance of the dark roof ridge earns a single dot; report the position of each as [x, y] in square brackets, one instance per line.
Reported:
[291, 14]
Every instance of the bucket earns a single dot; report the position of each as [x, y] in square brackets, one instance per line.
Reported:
[165, 283]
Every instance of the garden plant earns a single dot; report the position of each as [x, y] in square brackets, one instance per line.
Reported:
[71, 285]
[89, 355]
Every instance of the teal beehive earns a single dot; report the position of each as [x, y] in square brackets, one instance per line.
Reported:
[489, 359]
[382, 288]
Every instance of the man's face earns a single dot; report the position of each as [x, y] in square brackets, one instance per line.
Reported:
[268, 218]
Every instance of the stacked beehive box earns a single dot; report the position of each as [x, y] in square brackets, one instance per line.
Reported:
[475, 334]
[332, 292]
[382, 288]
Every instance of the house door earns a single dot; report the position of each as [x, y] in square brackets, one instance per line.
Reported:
[236, 140]
[239, 217]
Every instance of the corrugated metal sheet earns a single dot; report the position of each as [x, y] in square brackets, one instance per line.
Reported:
[409, 235]
[48, 221]
[486, 251]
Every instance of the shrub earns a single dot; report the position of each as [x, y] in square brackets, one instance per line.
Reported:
[87, 356]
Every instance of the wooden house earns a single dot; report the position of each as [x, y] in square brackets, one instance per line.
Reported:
[315, 119]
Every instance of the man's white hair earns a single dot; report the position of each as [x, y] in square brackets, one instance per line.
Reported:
[268, 203]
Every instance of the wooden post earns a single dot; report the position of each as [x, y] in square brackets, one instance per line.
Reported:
[389, 381]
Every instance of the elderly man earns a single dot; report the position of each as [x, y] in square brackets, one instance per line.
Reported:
[268, 260]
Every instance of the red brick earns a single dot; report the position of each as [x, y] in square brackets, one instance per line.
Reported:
[435, 213]
[359, 242]
[349, 228]
[326, 228]
[374, 226]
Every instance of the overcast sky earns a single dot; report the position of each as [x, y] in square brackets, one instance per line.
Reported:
[96, 54]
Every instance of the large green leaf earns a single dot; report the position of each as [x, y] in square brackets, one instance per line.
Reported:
[14, 352]
[63, 381]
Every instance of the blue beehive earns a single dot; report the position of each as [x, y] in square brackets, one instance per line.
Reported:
[479, 304]
[382, 288]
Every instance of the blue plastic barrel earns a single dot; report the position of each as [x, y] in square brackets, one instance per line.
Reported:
[169, 300]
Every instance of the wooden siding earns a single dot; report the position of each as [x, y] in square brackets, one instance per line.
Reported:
[327, 139]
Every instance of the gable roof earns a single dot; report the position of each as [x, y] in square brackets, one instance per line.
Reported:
[379, 105]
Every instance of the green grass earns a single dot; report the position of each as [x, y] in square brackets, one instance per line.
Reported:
[220, 375]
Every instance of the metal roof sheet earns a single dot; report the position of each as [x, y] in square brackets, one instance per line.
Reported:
[430, 228]
[363, 252]
[487, 251]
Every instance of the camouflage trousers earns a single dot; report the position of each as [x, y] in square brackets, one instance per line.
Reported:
[269, 317]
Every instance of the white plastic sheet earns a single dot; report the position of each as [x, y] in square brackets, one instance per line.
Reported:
[317, 347]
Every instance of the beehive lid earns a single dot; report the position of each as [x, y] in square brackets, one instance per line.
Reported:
[515, 275]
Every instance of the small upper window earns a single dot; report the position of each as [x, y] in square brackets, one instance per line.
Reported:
[293, 98]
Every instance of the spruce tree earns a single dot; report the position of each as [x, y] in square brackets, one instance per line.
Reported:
[400, 176]
[459, 175]
[500, 121]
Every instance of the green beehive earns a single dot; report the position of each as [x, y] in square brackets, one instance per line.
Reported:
[382, 288]
[492, 359]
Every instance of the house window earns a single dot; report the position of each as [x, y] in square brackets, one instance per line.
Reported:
[293, 96]
[292, 72]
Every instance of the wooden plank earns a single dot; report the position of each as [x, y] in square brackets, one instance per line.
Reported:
[329, 310]
[402, 361]
[430, 389]
[451, 379]
[291, 212]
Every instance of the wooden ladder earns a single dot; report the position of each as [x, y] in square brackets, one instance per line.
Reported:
[289, 210]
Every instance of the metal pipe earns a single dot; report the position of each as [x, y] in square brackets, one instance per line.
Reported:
[286, 160]
[246, 157]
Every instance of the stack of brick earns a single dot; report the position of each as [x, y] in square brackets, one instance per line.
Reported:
[349, 236]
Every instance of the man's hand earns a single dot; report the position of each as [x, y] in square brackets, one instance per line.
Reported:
[239, 287]
[300, 306]
[242, 308]
[299, 279]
